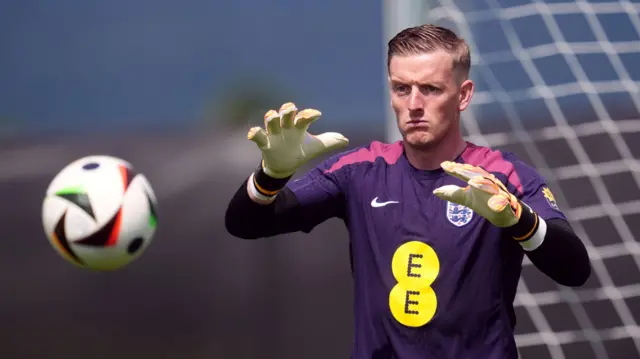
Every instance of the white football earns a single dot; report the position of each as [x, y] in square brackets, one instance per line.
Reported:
[98, 213]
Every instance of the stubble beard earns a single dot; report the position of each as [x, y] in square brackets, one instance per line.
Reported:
[421, 140]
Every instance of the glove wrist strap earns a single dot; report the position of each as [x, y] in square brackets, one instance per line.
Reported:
[526, 226]
[267, 185]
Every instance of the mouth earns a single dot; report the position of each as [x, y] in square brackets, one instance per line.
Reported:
[417, 123]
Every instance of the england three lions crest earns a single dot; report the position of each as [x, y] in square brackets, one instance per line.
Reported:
[458, 214]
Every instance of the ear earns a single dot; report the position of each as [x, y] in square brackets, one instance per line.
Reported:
[466, 92]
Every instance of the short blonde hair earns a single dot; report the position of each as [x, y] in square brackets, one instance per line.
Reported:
[427, 38]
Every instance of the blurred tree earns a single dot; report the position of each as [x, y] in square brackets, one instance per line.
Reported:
[8, 125]
[245, 100]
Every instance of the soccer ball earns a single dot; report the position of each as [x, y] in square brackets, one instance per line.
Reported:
[98, 213]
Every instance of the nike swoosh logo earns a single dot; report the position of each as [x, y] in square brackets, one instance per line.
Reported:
[376, 204]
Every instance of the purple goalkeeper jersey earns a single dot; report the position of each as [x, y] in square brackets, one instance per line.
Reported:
[432, 279]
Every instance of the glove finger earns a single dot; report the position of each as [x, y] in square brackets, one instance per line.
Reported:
[453, 193]
[463, 171]
[306, 117]
[259, 136]
[484, 184]
[287, 114]
[331, 140]
[498, 202]
[272, 122]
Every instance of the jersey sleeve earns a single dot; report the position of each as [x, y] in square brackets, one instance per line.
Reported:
[535, 192]
[321, 192]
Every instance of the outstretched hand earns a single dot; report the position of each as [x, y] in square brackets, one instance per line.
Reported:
[285, 143]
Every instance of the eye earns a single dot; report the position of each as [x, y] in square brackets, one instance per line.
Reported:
[401, 89]
[430, 89]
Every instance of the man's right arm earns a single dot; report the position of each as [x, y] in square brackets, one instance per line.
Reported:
[263, 206]
[297, 206]
[248, 219]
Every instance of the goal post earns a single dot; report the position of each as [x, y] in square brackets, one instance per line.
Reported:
[397, 15]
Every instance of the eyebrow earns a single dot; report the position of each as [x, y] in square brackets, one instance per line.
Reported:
[420, 83]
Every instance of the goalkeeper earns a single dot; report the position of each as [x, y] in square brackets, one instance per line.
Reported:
[438, 226]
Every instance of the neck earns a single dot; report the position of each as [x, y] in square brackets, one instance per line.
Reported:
[429, 158]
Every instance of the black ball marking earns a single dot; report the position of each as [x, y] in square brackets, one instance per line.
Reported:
[135, 245]
[91, 166]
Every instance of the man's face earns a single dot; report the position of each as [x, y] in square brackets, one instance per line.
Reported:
[427, 96]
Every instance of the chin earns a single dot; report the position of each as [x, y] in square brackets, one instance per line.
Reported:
[420, 139]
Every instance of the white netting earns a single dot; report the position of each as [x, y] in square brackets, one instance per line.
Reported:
[558, 84]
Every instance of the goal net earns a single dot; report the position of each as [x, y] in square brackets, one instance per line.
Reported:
[557, 82]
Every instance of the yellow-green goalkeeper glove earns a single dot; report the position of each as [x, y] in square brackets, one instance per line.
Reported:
[485, 194]
[286, 145]
[488, 197]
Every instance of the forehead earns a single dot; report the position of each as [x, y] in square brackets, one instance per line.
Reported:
[432, 66]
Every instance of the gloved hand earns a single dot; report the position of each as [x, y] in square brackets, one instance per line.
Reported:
[485, 194]
[285, 143]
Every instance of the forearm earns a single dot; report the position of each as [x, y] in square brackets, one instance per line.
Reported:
[249, 219]
[553, 248]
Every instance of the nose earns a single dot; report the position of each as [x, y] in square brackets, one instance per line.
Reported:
[416, 100]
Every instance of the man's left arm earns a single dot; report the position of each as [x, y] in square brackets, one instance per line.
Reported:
[548, 239]
[532, 218]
